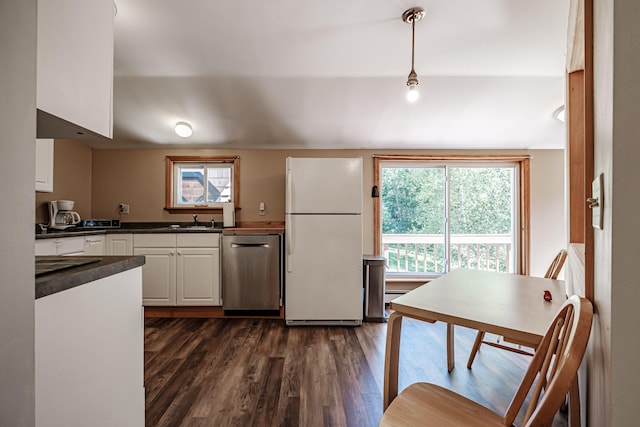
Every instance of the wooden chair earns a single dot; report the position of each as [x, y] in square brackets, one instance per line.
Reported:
[556, 265]
[552, 273]
[550, 376]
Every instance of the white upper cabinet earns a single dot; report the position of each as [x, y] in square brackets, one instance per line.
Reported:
[44, 165]
[75, 68]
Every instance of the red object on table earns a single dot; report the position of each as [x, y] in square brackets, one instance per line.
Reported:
[547, 296]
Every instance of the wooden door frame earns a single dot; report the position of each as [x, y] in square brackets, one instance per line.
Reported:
[522, 264]
[580, 151]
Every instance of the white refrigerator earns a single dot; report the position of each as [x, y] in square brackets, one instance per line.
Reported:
[323, 218]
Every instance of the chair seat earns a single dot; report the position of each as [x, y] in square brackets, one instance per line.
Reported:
[424, 404]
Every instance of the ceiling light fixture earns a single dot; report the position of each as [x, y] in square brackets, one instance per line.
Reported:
[560, 113]
[411, 16]
[183, 129]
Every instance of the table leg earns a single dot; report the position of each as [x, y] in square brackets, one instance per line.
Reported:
[392, 359]
[450, 352]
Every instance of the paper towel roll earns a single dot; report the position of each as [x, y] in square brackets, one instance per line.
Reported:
[228, 215]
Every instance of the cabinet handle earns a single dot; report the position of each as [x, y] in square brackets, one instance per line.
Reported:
[179, 253]
[249, 245]
[171, 253]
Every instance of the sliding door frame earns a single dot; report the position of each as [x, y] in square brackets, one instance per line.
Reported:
[522, 262]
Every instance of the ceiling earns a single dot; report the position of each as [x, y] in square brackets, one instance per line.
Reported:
[332, 74]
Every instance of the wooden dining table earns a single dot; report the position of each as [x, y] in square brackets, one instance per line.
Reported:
[509, 305]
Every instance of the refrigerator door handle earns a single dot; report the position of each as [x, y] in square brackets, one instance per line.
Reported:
[289, 195]
[289, 234]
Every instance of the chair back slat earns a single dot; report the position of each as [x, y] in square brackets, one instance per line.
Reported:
[564, 339]
[543, 374]
[556, 265]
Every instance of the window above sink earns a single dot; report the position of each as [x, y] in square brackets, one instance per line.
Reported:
[201, 184]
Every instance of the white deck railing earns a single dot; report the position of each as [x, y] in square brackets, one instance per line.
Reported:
[425, 253]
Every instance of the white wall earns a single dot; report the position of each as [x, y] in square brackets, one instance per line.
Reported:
[17, 172]
[612, 355]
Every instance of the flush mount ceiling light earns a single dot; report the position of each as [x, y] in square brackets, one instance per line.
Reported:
[560, 114]
[183, 129]
[411, 16]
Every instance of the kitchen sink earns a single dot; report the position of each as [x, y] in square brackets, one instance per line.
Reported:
[186, 227]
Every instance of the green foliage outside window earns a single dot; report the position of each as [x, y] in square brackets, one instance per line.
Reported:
[413, 202]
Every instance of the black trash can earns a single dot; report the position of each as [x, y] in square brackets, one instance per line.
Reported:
[374, 288]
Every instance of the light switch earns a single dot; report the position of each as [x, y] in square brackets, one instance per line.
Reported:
[261, 209]
[596, 202]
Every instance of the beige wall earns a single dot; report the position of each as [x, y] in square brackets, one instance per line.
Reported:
[137, 177]
[548, 213]
[71, 179]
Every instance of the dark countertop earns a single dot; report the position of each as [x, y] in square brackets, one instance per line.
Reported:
[51, 283]
[162, 227]
[131, 227]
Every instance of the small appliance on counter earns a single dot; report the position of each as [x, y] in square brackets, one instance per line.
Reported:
[100, 223]
[61, 215]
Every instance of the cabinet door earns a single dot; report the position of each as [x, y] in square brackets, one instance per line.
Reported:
[94, 245]
[198, 280]
[44, 165]
[75, 67]
[158, 276]
[119, 244]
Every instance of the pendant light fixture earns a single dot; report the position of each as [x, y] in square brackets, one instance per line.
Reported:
[411, 16]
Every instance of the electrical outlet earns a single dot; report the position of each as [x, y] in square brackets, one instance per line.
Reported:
[124, 208]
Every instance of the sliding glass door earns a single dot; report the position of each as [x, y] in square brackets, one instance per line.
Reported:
[436, 217]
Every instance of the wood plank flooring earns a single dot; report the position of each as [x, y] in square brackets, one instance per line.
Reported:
[259, 372]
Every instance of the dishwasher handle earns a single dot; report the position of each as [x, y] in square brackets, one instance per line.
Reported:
[250, 245]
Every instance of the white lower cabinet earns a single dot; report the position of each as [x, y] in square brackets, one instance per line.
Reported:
[89, 354]
[158, 275]
[119, 244]
[180, 269]
[198, 276]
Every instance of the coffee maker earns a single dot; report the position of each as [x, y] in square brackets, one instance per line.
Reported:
[61, 216]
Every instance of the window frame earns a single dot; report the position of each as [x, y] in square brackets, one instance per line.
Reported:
[172, 161]
[522, 205]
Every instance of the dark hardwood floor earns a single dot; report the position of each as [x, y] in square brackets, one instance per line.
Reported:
[259, 372]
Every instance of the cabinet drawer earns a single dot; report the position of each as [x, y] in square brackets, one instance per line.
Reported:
[45, 247]
[200, 240]
[70, 245]
[154, 240]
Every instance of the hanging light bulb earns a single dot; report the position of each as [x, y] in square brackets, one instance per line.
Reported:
[411, 16]
[412, 82]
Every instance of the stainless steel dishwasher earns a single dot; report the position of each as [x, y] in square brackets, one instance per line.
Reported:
[251, 271]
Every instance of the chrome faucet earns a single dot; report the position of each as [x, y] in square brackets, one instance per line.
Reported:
[195, 220]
